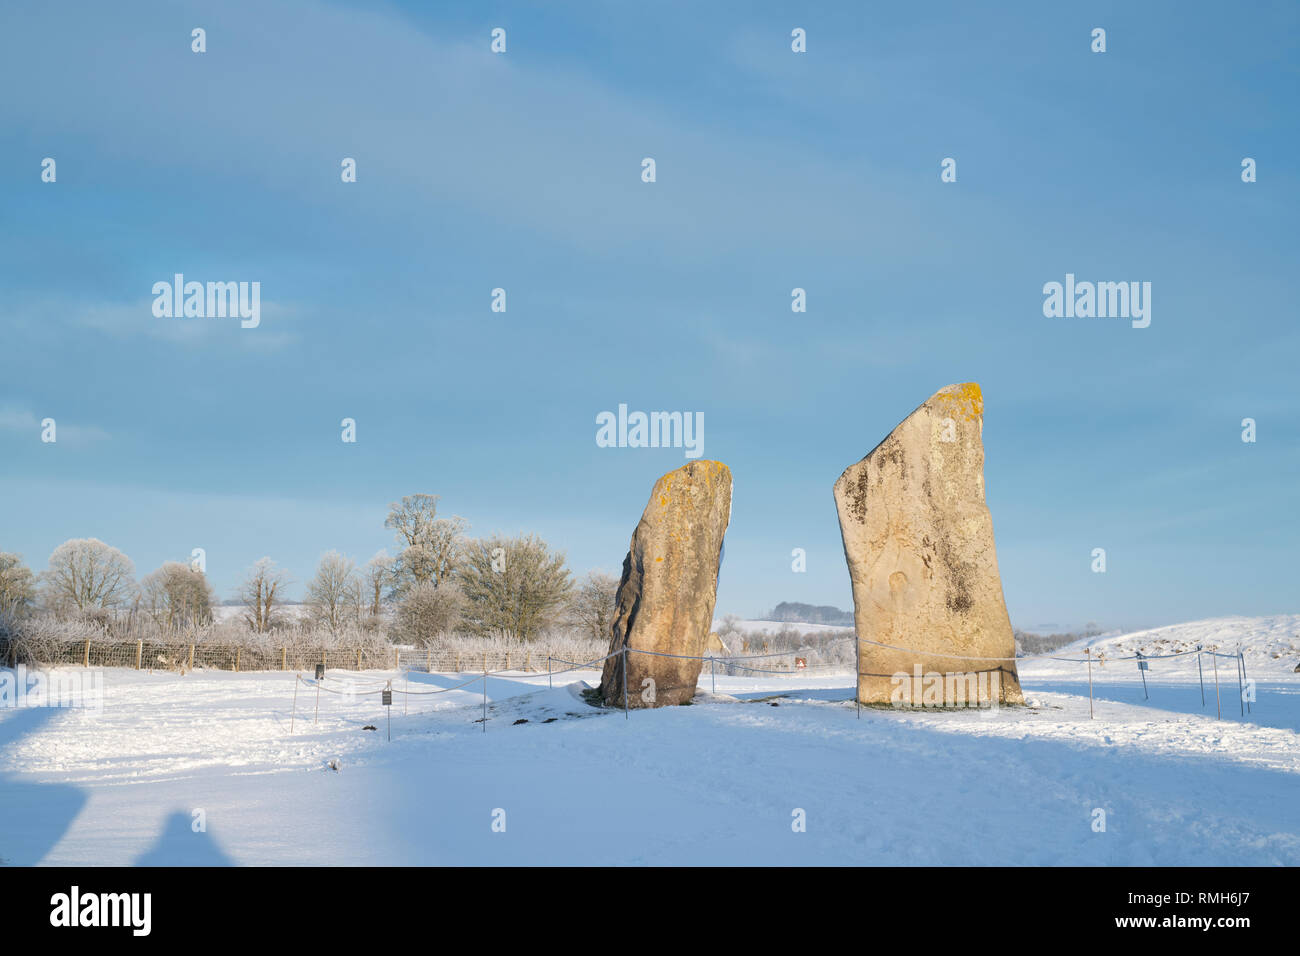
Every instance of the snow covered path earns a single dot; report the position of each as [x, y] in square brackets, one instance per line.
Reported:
[713, 783]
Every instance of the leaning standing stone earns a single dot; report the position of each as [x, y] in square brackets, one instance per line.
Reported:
[670, 585]
[918, 538]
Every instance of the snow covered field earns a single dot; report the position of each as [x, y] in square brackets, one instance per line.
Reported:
[717, 782]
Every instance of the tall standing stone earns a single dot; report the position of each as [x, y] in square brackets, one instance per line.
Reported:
[669, 587]
[918, 538]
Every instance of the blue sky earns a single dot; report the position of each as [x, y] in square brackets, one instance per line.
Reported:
[775, 170]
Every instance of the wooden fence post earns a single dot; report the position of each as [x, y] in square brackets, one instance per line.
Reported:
[191, 657]
[397, 661]
[283, 654]
[237, 660]
[358, 658]
[429, 662]
[85, 661]
[139, 652]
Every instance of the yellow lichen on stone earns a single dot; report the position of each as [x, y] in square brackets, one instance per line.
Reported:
[964, 401]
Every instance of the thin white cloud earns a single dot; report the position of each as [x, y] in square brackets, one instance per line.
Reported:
[433, 123]
[134, 320]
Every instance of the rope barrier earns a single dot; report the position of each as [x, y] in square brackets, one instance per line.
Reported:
[479, 677]
[370, 693]
[1030, 657]
[345, 693]
[598, 660]
[684, 657]
[731, 661]
[440, 690]
[763, 670]
[727, 660]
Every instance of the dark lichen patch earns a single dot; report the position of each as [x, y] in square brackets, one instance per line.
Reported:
[857, 494]
[891, 450]
[960, 600]
[858, 488]
[959, 573]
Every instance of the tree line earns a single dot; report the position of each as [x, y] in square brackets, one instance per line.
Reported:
[440, 581]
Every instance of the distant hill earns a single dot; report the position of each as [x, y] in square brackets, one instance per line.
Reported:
[792, 612]
[1270, 645]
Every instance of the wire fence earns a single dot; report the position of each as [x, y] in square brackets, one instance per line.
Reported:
[187, 656]
[182, 656]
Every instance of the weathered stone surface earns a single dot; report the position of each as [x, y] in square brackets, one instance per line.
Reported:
[918, 538]
[669, 587]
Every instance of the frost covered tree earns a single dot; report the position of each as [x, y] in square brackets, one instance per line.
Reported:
[17, 585]
[427, 612]
[429, 546]
[85, 575]
[177, 595]
[332, 595]
[262, 593]
[375, 577]
[592, 606]
[514, 586]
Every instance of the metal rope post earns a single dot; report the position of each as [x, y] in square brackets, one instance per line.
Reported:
[1241, 690]
[1200, 674]
[857, 672]
[549, 685]
[1244, 677]
[1090, 713]
[1218, 708]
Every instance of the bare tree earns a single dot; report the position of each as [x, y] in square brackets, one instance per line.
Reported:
[430, 546]
[514, 586]
[592, 606]
[333, 591]
[730, 633]
[177, 595]
[261, 593]
[17, 585]
[375, 577]
[85, 574]
[427, 612]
